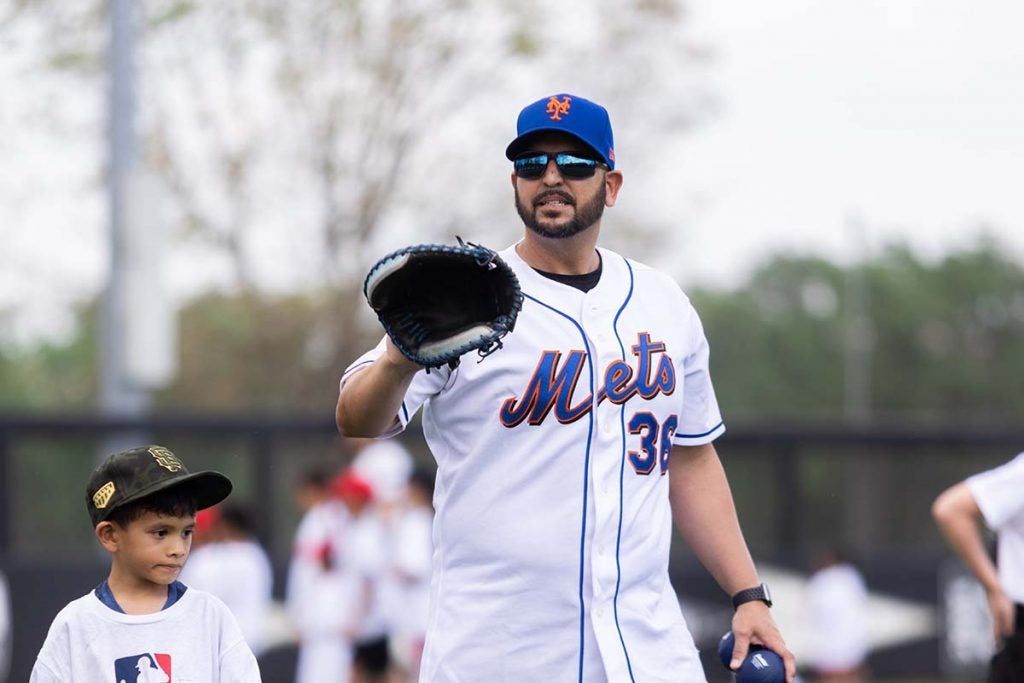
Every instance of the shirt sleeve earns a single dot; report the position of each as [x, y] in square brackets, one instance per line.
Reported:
[41, 673]
[998, 492]
[237, 662]
[701, 420]
[424, 385]
[239, 665]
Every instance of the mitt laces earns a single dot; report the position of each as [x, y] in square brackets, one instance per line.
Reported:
[484, 257]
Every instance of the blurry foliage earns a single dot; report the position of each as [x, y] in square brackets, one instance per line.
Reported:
[285, 136]
[52, 375]
[947, 342]
[768, 352]
[944, 340]
[274, 354]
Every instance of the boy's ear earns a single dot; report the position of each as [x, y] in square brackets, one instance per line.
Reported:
[106, 534]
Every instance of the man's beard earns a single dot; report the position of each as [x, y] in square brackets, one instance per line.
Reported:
[585, 216]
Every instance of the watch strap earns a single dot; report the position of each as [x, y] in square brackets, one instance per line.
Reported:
[751, 594]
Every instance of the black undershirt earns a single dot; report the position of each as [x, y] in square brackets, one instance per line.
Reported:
[584, 283]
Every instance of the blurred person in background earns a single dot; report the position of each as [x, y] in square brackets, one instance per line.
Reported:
[386, 466]
[319, 591]
[312, 489]
[230, 562]
[837, 600]
[996, 498]
[410, 565]
[365, 562]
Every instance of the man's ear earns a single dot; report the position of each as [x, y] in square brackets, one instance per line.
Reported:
[106, 534]
[613, 183]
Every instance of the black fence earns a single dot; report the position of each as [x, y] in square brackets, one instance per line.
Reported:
[798, 489]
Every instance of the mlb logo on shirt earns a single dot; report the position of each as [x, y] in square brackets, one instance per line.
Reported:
[143, 668]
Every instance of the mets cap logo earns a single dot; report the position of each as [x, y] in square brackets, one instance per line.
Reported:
[558, 108]
[102, 497]
[166, 459]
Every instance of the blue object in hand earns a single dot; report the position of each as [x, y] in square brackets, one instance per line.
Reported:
[761, 665]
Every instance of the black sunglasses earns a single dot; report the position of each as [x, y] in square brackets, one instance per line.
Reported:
[532, 166]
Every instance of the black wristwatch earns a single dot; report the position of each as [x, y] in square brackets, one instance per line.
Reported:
[750, 594]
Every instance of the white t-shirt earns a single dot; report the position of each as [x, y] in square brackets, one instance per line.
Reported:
[999, 493]
[195, 639]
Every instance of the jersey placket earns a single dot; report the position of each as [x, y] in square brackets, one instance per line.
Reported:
[606, 473]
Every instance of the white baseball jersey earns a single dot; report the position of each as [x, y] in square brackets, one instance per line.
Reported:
[552, 525]
[998, 493]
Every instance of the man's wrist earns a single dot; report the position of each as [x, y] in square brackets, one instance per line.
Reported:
[757, 593]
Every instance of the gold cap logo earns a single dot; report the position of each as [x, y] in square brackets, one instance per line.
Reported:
[166, 459]
[102, 497]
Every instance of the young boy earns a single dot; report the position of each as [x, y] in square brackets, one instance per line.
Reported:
[141, 623]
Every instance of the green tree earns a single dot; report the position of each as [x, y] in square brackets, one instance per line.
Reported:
[946, 338]
[776, 342]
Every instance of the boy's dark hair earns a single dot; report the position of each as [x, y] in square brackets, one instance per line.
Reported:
[172, 502]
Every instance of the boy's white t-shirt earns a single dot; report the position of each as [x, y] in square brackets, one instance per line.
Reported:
[195, 639]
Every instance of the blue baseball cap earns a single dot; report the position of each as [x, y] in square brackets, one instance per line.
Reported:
[570, 114]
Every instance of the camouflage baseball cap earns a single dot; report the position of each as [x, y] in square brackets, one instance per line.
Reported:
[139, 472]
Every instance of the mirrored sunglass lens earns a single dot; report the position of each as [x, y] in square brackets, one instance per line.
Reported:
[575, 167]
[531, 167]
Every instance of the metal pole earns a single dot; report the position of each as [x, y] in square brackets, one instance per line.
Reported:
[118, 397]
[6, 499]
[858, 333]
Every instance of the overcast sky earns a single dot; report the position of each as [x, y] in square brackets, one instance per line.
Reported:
[908, 114]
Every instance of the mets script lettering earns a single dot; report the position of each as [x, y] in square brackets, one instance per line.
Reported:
[554, 382]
